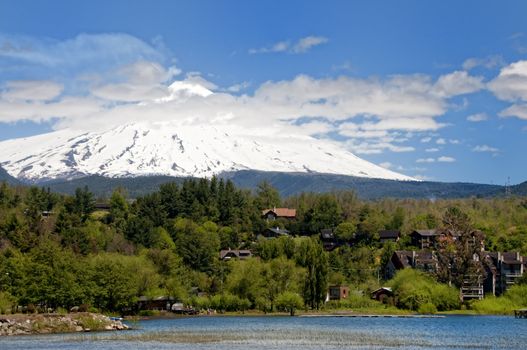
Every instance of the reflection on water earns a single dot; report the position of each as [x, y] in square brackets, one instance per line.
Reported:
[454, 332]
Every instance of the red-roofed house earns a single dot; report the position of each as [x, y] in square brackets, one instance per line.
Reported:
[278, 213]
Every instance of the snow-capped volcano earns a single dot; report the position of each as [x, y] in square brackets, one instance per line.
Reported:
[166, 148]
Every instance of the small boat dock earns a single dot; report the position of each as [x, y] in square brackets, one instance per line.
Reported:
[521, 313]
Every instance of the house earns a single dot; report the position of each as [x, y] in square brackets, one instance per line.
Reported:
[279, 213]
[401, 259]
[328, 239]
[157, 303]
[389, 236]
[102, 206]
[382, 294]
[241, 254]
[338, 293]
[274, 232]
[502, 270]
[424, 239]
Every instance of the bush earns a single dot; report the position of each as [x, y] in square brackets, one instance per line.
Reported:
[7, 301]
[147, 313]
[514, 298]
[493, 305]
[427, 308]
[413, 288]
[31, 309]
[289, 301]
[517, 295]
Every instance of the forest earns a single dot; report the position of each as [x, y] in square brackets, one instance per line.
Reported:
[60, 251]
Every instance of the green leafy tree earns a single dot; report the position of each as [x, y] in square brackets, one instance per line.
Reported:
[267, 196]
[345, 231]
[314, 259]
[289, 302]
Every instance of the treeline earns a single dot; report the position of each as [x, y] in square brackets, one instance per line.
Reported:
[59, 251]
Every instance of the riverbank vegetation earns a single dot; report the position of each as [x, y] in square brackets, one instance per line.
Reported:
[58, 252]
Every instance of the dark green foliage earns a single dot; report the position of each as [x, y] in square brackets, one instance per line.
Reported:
[56, 251]
[266, 196]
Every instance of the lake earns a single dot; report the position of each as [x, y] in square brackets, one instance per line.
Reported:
[255, 333]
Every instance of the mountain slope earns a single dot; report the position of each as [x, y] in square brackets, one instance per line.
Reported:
[4, 176]
[166, 148]
[291, 184]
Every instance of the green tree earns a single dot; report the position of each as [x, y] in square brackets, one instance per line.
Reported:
[266, 196]
[197, 245]
[289, 302]
[315, 260]
[345, 231]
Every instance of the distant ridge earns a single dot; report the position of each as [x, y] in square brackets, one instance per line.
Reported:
[290, 184]
[4, 176]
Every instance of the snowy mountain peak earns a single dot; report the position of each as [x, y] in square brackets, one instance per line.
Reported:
[166, 148]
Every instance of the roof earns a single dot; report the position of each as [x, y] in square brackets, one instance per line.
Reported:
[426, 233]
[405, 258]
[382, 289]
[327, 233]
[281, 212]
[424, 256]
[387, 234]
[235, 253]
[278, 231]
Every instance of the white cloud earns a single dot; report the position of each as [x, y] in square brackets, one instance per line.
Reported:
[442, 159]
[85, 52]
[375, 147]
[454, 141]
[238, 87]
[31, 90]
[457, 83]
[426, 139]
[372, 115]
[445, 159]
[281, 46]
[431, 150]
[485, 148]
[488, 62]
[478, 117]
[386, 165]
[425, 160]
[511, 83]
[441, 141]
[515, 110]
[303, 45]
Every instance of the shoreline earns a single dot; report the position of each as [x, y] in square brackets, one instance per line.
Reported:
[338, 313]
[30, 324]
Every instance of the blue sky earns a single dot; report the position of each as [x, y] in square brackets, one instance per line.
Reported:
[432, 89]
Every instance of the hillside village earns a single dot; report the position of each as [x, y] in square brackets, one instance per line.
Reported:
[498, 270]
[206, 245]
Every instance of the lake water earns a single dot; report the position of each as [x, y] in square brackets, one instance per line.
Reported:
[255, 333]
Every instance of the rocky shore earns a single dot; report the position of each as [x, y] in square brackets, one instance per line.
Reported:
[54, 323]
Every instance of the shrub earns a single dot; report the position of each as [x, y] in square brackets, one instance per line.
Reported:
[493, 305]
[289, 301]
[427, 308]
[7, 301]
[413, 288]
